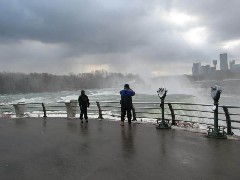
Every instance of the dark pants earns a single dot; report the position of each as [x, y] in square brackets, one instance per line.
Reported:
[83, 110]
[129, 114]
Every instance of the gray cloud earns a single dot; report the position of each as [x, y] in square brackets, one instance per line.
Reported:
[61, 36]
[220, 16]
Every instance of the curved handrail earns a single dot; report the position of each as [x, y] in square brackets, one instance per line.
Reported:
[176, 112]
[181, 112]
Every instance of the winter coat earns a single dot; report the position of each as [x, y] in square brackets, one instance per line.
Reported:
[126, 98]
[83, 100]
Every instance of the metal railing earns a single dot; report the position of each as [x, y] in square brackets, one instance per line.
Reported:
[177, 113]
[180, 114]
[42, 109]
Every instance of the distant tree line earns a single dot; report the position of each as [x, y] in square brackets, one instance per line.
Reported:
[44, 82]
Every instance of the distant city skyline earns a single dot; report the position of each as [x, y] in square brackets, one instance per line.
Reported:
[199, 69]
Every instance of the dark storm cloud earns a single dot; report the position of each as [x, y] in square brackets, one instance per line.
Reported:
[90, 25]
[113, 33]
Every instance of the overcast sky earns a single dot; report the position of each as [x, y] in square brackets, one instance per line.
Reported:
[147, 37]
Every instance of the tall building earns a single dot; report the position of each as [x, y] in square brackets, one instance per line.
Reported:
[234, 67]
[196, 69]
[215, 63]
[231, 64]
[223, 62]
[205, 70]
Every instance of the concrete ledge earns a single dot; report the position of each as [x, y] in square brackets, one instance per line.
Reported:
[61, 148]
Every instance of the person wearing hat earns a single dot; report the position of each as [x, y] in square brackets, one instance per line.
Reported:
[83, 104]
[126, 103]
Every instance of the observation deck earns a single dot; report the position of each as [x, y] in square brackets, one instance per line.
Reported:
[60, 148]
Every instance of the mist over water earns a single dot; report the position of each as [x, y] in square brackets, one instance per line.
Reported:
[179, 90]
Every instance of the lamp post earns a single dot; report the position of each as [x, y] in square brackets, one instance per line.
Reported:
[162, 92]
[216, 131]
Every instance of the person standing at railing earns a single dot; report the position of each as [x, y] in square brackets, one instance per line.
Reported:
[126, 103]
[83, 104]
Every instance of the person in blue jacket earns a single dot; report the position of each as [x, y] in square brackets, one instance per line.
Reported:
[126, 103]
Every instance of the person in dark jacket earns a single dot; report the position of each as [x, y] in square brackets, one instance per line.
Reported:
[126, 103]
[83, 104]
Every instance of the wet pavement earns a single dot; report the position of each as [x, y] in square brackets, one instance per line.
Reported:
[65, 149]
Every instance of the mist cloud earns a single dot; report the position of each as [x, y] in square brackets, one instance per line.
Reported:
[145, 37]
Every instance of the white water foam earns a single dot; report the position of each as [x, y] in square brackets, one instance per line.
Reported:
[29, 100]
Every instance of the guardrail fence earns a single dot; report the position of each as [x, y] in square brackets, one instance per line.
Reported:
[177, 113]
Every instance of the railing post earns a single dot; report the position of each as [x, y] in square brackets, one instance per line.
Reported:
[44, 110]
[228, 121]
[134, 114]
[74, 104]
[19, 109]
[172, 114]
[71, 108]
[100, 116]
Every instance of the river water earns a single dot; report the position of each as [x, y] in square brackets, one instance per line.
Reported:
[147, 93]
[143, 94]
